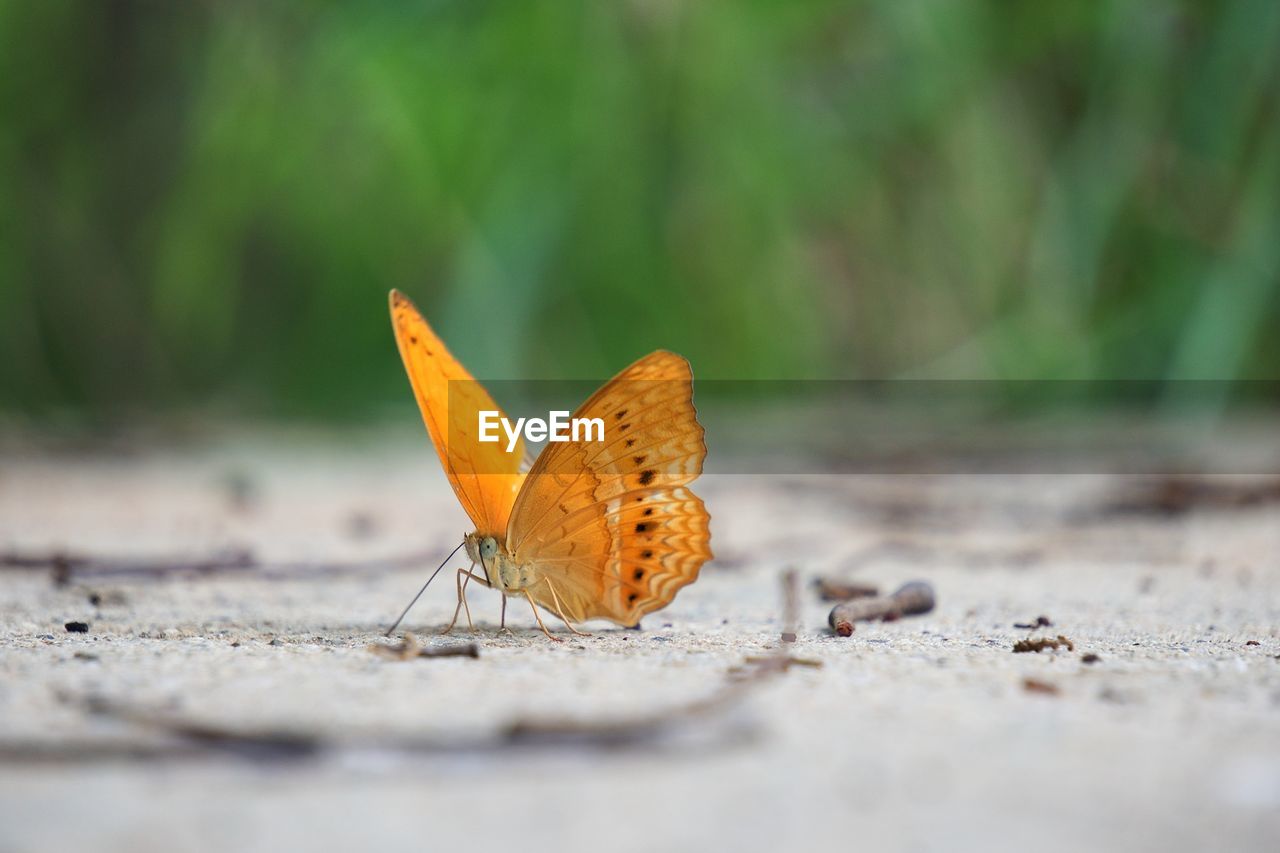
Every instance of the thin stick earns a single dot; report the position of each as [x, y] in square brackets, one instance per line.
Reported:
[910, 599]
[68, 566]
[790, 605]
[424, 589]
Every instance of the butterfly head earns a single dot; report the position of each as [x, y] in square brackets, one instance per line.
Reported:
[501, 571]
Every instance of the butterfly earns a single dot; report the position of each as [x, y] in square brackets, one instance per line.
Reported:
[603, 529]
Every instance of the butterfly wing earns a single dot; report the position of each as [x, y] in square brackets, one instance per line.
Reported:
[611, 525]
[484, 476]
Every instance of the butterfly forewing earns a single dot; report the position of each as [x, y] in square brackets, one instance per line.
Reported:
[484, 476]
[608, 526]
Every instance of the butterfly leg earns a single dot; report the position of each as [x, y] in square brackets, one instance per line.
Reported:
[462, 599]
[536, 615]
[502, 624]
[560, 610]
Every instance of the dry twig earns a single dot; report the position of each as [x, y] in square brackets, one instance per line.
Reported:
[910, 599]
[66, 566]
[830, 589]
[1035, 685]
[410, 648]
[1178, 494]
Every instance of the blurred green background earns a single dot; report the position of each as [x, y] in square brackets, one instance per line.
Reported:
[204, 204]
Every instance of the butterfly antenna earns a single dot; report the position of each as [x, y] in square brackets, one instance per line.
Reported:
[405, 612]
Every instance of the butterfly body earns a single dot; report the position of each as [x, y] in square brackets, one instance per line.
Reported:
[501, 571]
[602, 529]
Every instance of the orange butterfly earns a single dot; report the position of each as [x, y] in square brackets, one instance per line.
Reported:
[595, 529]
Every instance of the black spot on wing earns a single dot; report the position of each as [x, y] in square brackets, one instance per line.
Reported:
[646, 476]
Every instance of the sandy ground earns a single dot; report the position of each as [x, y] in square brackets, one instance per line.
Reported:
[918, 734]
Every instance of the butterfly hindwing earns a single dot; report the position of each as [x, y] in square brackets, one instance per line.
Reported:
[610, 526]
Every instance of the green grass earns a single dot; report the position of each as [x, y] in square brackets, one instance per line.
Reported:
[205, 204]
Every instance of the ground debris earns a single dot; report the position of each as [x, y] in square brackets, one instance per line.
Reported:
[1090, 657]
[790, 605]
[753, 666]
[106, 598]
[1040, 622]
[1039, 644]
[65, 566]
[910, 599]
[1181, 493]
[1035, 685]
[361, 524]
[830, 589]
[703, 722]
[77, 627]
[410, 648]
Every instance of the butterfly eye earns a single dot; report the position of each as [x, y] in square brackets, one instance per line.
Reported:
[489, 547]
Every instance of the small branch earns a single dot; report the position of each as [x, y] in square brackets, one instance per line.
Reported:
[67, 566]
[830, 589]
[910, 599]
[411, 648]
[1179, 494]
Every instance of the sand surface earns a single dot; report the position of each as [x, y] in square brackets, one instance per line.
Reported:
[243, 710]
